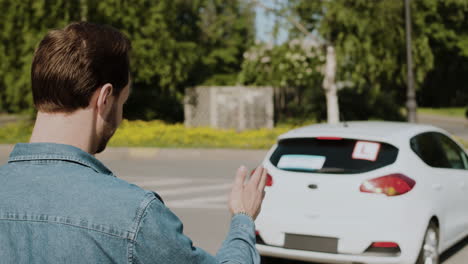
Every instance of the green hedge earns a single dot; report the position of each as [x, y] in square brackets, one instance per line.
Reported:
[159, 134]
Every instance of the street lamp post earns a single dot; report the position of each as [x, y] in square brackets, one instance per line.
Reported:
[411, 104]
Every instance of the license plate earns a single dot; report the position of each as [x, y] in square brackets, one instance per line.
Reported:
[311, 243]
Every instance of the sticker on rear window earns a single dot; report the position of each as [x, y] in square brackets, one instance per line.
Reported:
[301, 162]
[365, 150]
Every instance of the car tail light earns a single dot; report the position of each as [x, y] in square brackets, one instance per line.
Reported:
[383, 249]
[269, 179]
[390, 185]
[384, 245]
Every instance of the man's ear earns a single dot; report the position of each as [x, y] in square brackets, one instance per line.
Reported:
[104, 97]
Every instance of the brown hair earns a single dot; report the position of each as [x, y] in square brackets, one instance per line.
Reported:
[70, 64]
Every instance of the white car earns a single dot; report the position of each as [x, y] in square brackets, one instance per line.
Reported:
[364, 192]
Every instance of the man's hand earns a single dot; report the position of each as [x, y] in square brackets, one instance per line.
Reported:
[248, 196]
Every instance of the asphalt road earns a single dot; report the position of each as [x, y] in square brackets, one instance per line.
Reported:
[195, 185]
[196, 189]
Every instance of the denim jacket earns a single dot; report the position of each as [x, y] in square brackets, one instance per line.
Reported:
[59, 204]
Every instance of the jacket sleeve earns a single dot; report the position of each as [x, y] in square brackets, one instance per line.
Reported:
[160, 239]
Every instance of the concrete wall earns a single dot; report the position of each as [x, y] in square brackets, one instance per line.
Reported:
[237, 107]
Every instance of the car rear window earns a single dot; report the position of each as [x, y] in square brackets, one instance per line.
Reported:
[334, 155]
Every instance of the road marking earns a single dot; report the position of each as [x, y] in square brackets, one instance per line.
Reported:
[214, 202]
[196, 189]
[162, 182]
[171, 190]
[219, 206]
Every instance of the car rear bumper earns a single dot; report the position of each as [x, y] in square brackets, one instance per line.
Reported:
[354, 237]
[302, 255]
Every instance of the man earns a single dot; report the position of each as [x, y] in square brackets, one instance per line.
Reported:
[59, 204]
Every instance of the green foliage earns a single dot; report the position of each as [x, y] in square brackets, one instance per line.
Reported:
[180, 43]
[17, 132]
[176, 43]
[446, 85]
[381, 107]
[293, 64]
[22, 26]
[160, 134]
[371, 52]
[164, 51]
[293, 68]
[226, 32]
[369, 37]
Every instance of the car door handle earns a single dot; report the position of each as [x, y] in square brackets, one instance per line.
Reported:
[437, 187]
[462, 185]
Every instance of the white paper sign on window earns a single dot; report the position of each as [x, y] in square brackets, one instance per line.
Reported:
[301, 162]
[364, 150]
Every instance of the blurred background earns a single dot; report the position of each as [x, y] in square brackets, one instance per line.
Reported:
[278, 44]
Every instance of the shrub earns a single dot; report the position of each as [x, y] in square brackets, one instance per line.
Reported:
[159, 134]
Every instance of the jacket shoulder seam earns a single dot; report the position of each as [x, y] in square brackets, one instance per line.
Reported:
[148, 198]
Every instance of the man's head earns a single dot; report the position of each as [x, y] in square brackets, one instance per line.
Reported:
[83, 66]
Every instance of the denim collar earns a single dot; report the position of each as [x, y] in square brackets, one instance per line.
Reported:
[53, 151]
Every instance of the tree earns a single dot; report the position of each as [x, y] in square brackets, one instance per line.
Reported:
[164, 51]
[227, 31]
[293, 69]
[370, 51]
[22, 26]
[176, 43]
[329, 68]
[447, 83]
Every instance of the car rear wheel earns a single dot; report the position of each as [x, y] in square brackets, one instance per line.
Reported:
[429, 253]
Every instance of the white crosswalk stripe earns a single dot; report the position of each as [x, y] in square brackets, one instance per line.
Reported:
[214, 202]
[205, 193]
[161, 182]
[196, 189]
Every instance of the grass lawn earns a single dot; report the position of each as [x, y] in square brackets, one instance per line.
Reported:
[448, 111]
